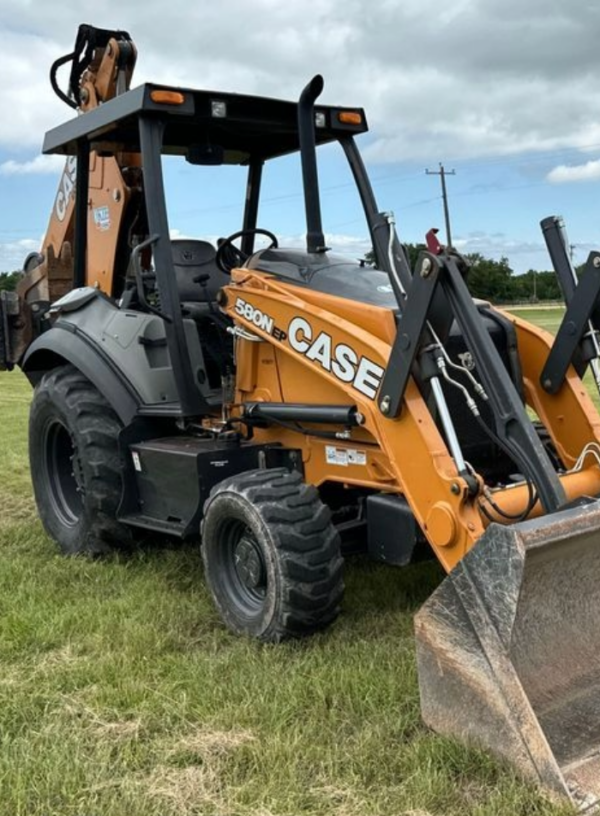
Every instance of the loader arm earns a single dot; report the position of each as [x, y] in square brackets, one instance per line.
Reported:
[507, 647]
[306, 337]
[102, 65]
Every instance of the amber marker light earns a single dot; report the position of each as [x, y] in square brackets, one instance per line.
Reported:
[350, 118]
[162, 97]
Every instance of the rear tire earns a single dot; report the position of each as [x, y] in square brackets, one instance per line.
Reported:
[76, 467]
[271, 555]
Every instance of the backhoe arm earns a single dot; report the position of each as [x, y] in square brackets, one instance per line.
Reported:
[102, 64]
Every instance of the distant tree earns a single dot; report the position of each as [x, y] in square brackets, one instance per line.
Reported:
[9, 280]
[526, 286]
[495, 280]
[412, 253]
[370, 257]
[489, 279]
[547, 286]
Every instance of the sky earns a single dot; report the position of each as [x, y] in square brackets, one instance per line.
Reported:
[503, 92]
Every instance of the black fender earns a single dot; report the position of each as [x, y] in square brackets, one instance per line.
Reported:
[64, 344]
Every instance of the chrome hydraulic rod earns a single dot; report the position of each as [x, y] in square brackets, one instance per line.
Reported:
[448, 425]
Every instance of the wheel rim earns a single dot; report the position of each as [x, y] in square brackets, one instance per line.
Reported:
[64, 474]
[245, 573]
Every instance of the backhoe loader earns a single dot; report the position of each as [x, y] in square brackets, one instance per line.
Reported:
[286, 404]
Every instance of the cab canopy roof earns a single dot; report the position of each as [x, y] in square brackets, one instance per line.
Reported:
[208, 127]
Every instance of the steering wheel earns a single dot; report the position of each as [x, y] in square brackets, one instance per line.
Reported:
[226, 248]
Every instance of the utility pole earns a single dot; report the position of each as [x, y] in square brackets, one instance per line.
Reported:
[442, 173]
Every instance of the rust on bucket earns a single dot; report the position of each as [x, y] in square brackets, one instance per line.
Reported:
[508, 650]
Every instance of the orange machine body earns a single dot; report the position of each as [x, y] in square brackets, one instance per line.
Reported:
[325, 349]
[113, 182]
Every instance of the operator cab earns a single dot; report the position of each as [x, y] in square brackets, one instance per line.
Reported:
[177, 281]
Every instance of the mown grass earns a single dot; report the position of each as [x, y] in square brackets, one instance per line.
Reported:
[121, 694]
[545, 318]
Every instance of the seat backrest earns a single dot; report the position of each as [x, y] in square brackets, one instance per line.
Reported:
[191, 259]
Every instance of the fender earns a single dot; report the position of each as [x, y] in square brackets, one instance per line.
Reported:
[62, 344]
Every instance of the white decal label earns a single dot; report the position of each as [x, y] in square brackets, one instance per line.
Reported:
[66, 188]
[357, 457]
[343, 362]
[344, 456]
[254, 316]
[336, 456]
[137, 463]
[102, 218]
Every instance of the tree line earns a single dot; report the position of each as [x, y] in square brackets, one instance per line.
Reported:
[496, 280]
[9, 280]
[487, 279]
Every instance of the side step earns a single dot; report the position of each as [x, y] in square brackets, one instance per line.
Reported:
[176, 528]
[169, 479]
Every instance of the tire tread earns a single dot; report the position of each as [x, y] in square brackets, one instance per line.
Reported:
[96, 427]
[307, 542]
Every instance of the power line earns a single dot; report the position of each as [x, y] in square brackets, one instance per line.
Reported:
[524, 159]
[527, 157]
[277, 199]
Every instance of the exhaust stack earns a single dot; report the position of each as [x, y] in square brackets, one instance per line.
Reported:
[315, 240]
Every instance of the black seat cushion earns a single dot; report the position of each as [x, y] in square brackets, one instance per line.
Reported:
[192, 259]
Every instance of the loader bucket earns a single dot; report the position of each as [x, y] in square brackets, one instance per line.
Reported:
[508, 650]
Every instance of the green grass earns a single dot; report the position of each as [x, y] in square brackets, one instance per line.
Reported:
[121, 694]
[545, 318]
[549, 319]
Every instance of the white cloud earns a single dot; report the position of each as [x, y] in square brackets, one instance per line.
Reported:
[13, 253]
[590, 171]
[522, 254]
[28, 104]
[436, 84]
[177, 235]
[351, 245]
[40, 164]
[497, 245]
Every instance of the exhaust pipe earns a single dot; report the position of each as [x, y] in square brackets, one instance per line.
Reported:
[315, 240]
[508, 650]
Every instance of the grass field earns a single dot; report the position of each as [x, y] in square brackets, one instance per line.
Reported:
[121, 694]
[548, 319]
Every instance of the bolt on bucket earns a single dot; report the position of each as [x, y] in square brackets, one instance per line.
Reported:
[508, 650]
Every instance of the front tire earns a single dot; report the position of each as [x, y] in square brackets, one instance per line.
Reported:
[271, 555]
[76, 467]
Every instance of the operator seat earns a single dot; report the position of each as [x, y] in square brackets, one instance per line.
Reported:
[193, 259]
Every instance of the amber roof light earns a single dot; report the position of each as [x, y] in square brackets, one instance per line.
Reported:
[162, 97]
[350, 118]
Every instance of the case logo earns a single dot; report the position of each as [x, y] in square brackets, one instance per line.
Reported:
[66, 188]
[339, 359]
